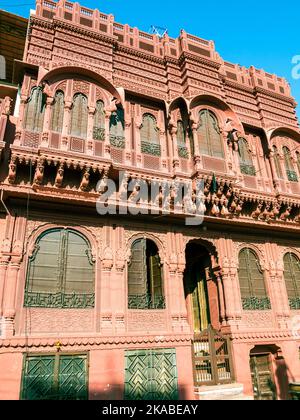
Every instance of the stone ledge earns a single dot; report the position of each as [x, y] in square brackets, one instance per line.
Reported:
[233, 391]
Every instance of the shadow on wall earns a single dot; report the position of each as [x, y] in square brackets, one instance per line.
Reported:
[42, 389]
[284, 377]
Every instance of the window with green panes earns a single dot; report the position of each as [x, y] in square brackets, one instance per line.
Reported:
[292, 279]
[145, 281]
[252, 285]
[60, 271]
[55, 377]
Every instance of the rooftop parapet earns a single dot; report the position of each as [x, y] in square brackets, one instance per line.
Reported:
[166, 47]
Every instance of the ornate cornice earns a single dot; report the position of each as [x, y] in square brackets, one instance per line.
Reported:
[138, 53]
[197, 59]
[91, 342]
[259, 90]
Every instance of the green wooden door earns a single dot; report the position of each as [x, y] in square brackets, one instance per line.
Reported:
[151, 375]
[55, 377]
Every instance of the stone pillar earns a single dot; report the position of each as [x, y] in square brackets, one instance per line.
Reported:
[47, 123]
[173, 131]
[3, 269]
[107, 135]
[9, 304]
[197, 157]
[221, 299]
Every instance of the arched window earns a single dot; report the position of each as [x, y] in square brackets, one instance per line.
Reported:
[298, 161]
[181, 140]
[116, 128]
[245, 155]
[180, 133]
[292, 279]
[99, 122]
[209, 136]
[60, 272]
[277, 163]
[35, 110]
[252, 285]
[289, 167]
[58, 112]
[145, 284]
[150, 136]
[79, 116]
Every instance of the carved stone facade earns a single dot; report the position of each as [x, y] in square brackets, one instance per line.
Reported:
[54, 179]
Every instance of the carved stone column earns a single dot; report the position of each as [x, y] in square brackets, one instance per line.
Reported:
[197, 157]
[107, 147]
[106, 325]
[9, 304]
[173, 132]
[3, 269]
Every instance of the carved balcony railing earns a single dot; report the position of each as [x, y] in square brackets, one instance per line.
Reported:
[146, 302]
[292, 176]
[254, 303]
[247, 169]
[59, 300]
[294, 303]
[183, 152]
[117, 141]
[151, 148]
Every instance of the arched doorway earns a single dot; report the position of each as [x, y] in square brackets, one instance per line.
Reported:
[201, 290]
[211, 349]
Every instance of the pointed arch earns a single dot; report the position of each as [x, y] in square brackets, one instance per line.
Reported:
[252, 284]
[209, 135]
[292, 279]
[60, 271]
[58, 112]
[99, 121]
[289, 166]
[145, 277]
[245, 156]
[35, 110]
[79, 116]
[116, 128]
[277, 163]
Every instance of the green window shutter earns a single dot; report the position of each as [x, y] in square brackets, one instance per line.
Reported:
[245, 156]
[35, 110]
[60, 272]
[209, 136]
[72, 378]
[58, 112]
[251, 279]
[57, 377]
[151, 375]
[155, 279]
[99, 122]
[137, 276]
[149, 130]
[180, 133]
[79, 116]
[38, 378]
[79, 268]
[292, 279]
[44, 265]
[116, 129]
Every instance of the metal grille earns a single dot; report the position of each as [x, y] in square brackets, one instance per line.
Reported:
[60, 272]
[209, 136]
[117, 141]
[183, 152]
[77, 145]
[212, 358]
[252, 285]
[292, 176]
[31, 139]
[117, 155]
[151, 148]
[55, 377]
[151, 375]
[151, 162]
[146, 302]
[292, 279]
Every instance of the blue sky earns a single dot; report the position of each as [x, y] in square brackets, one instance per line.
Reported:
[265, 34]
